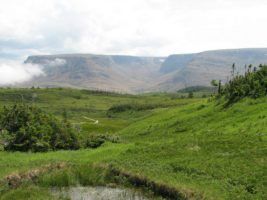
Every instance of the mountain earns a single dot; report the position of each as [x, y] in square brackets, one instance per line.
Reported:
[115, 73]
[141, 74]
[201, 68]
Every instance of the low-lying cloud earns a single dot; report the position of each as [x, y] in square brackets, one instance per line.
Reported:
[56, 62]
[14, 72]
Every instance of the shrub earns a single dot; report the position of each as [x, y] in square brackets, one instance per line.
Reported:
[133, 107]
[28, 128]
[252, 84]
[95, 141]
[190, 95]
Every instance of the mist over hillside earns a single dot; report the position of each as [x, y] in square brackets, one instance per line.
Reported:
[135, 74]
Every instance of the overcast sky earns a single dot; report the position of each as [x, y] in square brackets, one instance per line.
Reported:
[135, 27]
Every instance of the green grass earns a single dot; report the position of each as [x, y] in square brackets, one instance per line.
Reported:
[203, 147]
[84, 103]
[198, 147]
[28, 193]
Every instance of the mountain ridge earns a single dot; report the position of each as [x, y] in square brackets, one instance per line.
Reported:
[136, 74]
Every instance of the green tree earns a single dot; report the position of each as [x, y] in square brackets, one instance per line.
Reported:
[28, 128]
[190, 95]
[252, 84]
[216, 84]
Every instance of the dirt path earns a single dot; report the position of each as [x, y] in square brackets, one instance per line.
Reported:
[93, 120]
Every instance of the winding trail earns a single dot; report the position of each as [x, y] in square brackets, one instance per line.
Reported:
[94, 120]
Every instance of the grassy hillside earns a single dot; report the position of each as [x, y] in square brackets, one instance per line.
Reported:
[203, 147]
[193, 146]
[83, 107]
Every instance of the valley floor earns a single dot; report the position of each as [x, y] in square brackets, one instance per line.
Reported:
[198, 147]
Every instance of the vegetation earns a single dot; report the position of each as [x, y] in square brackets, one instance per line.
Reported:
[28, 128]
[197, 88]
[83, 107]
[191, 148]
[190, 95]
[196, 91]
[95, 141]
[252, 84]
[134, 107]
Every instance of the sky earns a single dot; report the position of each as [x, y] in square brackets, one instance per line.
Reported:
[132, 27]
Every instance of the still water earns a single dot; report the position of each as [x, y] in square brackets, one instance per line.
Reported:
[99, 193]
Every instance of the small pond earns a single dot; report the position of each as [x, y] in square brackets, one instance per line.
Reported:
[99, 193]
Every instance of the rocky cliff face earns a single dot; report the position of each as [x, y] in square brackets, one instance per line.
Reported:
[141, 74]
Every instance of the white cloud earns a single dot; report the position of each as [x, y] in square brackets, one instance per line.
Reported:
[137, 27]
[15, 72]
[56, 62]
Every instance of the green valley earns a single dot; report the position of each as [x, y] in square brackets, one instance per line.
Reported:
[170, 146]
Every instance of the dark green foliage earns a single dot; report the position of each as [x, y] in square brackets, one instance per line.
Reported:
[198, 91]
[214, 83]
[217, 85]
[28, 128]
[133, 107]
[197, 88]
[252, 84]
[190, 95]
[220, 87]
[103, 92]
[95, 141]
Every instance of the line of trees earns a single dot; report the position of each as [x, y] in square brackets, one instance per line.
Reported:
[253, 83]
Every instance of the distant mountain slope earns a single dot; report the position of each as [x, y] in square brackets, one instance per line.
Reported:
[176, 62]
[141, 74]
[201, 68]
[118, 73]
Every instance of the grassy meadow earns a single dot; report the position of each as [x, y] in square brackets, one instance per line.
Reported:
[175, 147]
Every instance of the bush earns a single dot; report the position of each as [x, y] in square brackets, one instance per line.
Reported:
[252, 84]
[133, 107]
[190, 95]
[95, 141]
[28, 128]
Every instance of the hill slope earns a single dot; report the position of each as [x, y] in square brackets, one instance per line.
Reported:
[200, 148]
[141, 74]
[203, 147]
[113, 73]
[200, 68]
